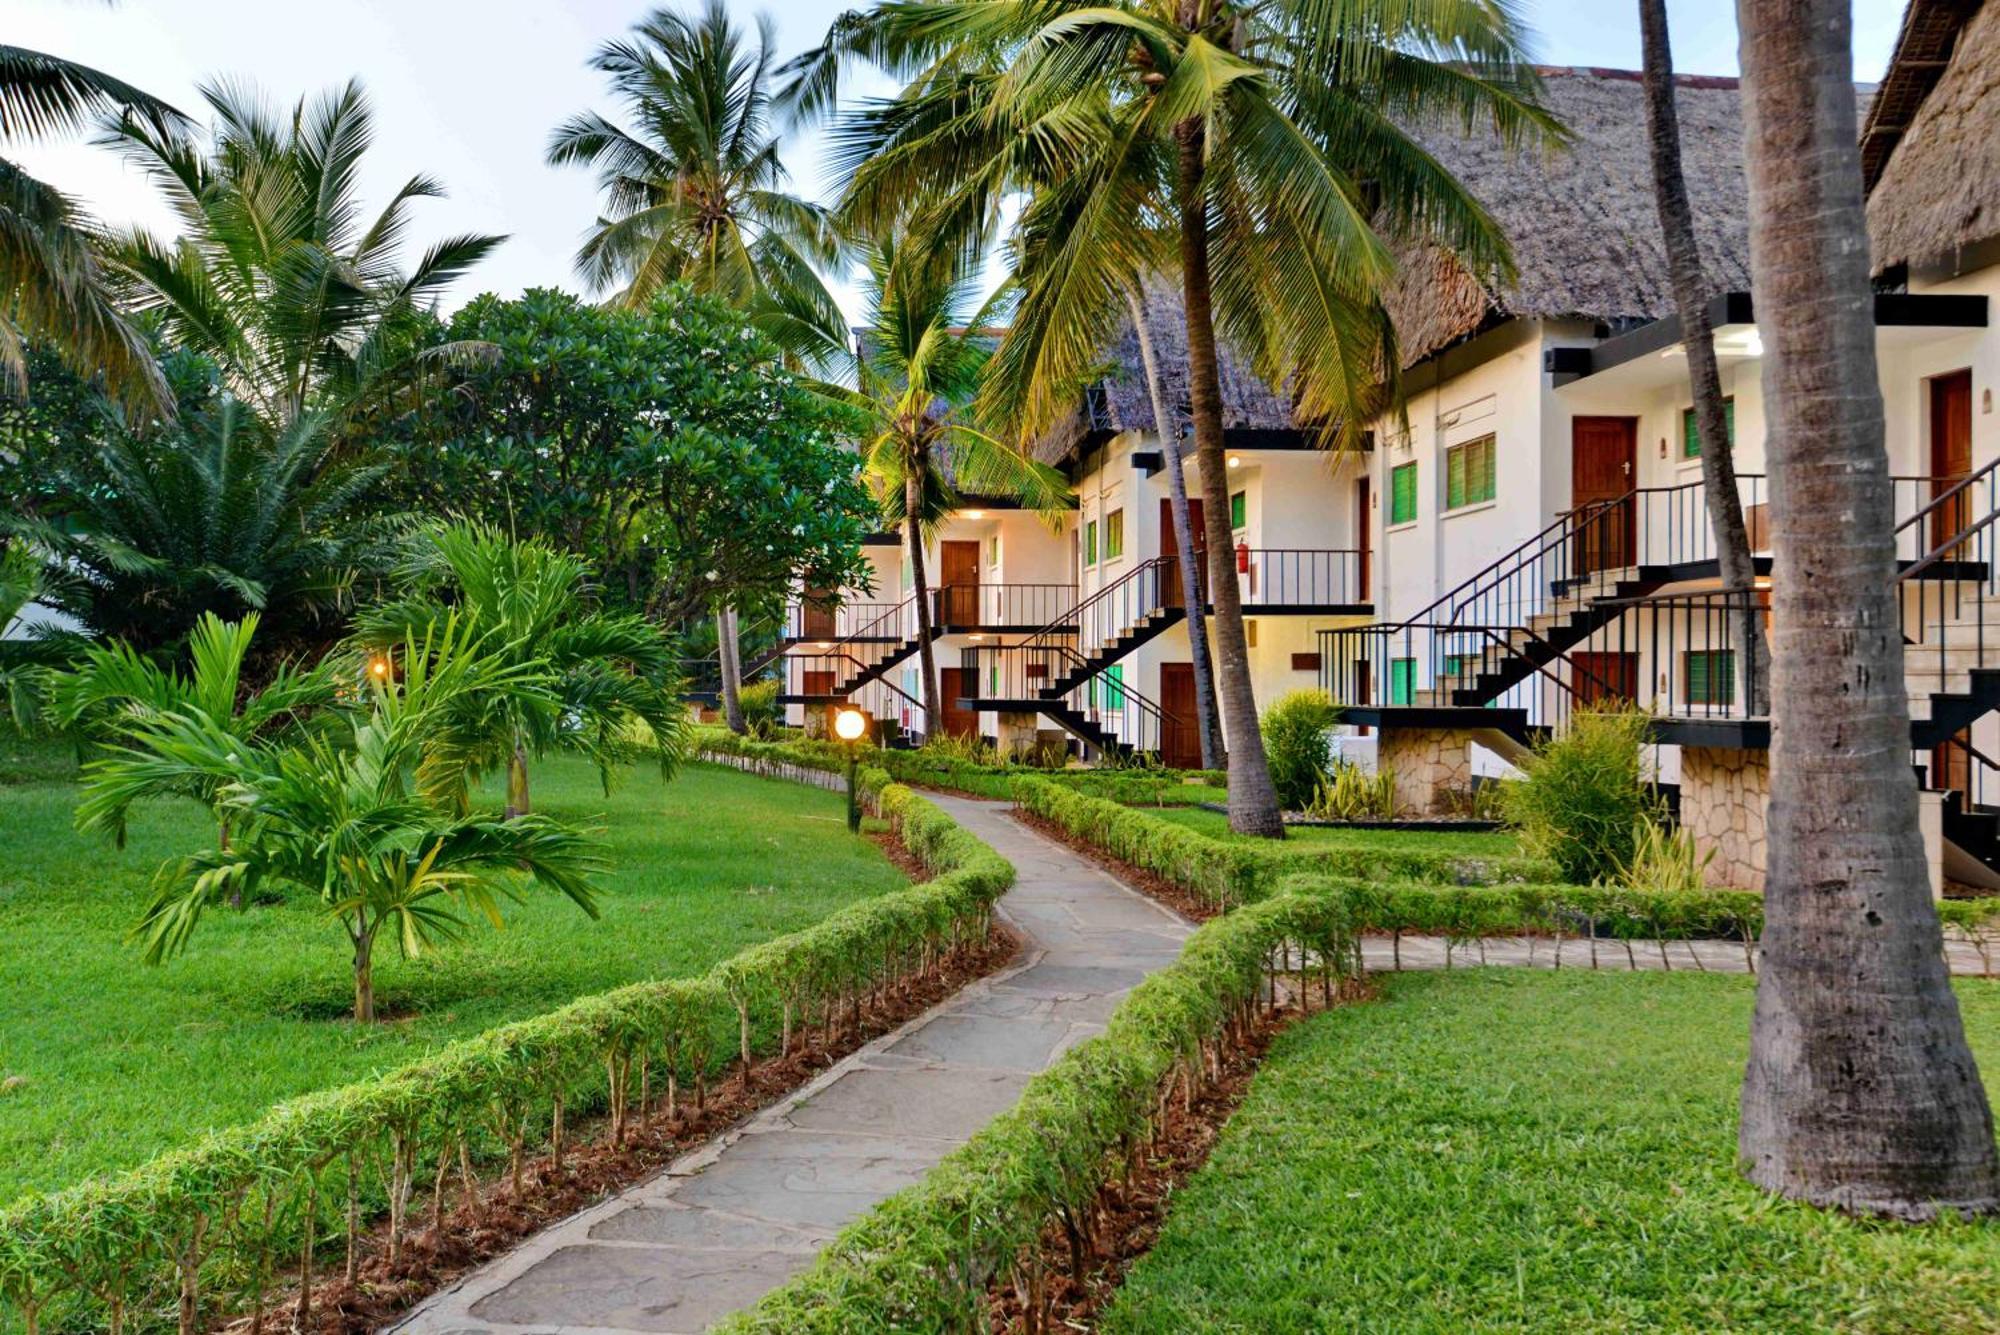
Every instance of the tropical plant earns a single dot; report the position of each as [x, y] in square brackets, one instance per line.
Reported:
[1349, 792]
[1583, 796]
[30, 652]
[114, 693]
[362, 816]
[917, 371]
[1295, 738]
[606, 670]
[1259, 150]
[146, 530]
[55, 285]
[1860, 1091]
[1665, 859]
[762, 714]
[277, 272]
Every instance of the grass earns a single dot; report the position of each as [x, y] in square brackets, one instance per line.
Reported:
[1530, 1151]
[108, 1061]
[1454, 842]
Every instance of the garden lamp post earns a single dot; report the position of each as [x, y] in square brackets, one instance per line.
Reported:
[848, 725]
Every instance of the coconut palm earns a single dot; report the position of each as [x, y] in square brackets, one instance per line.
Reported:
[55, 284]
[611, 676]
[278, 274]
[917, 372]
[1260, 150]
[1860, 1091]
[338, 813]
[114, 693]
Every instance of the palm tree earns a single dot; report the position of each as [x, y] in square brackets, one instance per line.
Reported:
[608, 672]
[336, 813]
[1265, 140]
[1860, 1091]
[917, 371]
[115, 693]
[278, 274]
[55, 284]
[214, 513]
[1691, 297]
[696, 193]
[30, 653]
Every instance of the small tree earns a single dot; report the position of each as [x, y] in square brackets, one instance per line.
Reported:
[1584, 798]
[607, 671]
[360, 814]
[1296, 746]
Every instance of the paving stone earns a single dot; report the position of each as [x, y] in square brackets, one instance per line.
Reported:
[667, 1225]
[935, 1103]
[1072, 980]
[986, 1040]
[654, 1289]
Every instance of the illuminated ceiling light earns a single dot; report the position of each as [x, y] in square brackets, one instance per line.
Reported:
[975, 514]
[1235, 462]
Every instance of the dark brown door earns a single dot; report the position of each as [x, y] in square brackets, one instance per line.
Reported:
[817, 683]
[819, 615]
[1180, 734]
[1364, 539]
[1951, 453]
[958, 583]
[1951, 766]
[1604, 677]
[1170, 548]
[954, 685]
[1603, 456]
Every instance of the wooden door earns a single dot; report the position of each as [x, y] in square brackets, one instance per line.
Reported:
[817, 683]
[1951, 454]
[1364, 540]
[1951, 766]
[1180, 735]
[1170, 548]
[1603, 677]
[818, 615]
[1604, 454]
[955, 684]
[958, 583]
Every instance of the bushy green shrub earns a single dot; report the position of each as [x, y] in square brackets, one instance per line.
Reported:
[1666, 859]
[1583, 798]
[1295, 744]
[1350, 793]
[762, 714]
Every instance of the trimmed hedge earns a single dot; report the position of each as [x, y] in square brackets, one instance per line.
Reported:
[1225, 875]
[205, 1228]
[922, 1259]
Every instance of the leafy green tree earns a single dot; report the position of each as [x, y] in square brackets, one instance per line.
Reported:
[278, 274]
[115, 693]
[30, 653]
[359, 815]
[608, 672]
[662, 444]
[1258, 150]
[53, 284]
[917, 372]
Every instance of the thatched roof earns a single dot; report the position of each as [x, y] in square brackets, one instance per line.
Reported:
[1585, 233]
[1930, 153]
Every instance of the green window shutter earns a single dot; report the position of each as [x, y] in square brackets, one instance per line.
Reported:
[1729, 419]
[1403, 493]
[1114, 535]
[1711, 676]
[1454, 478]
[1090, 543]
[1489, 471]
[1402, 680]
[1114, 687]
[1469, 473]
[1690, 435]
[1239, 509]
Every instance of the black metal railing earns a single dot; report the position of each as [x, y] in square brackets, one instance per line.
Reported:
[1270, 577]
[996, 606]
[1057, 680]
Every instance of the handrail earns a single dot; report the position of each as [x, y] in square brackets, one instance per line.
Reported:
[1074, 616]
[1563, 521]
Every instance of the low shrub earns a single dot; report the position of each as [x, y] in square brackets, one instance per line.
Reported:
[1582, 798]
[1351, 793]
[1665, 858]
[1296, 745]
[206, 1227]
[762, 714]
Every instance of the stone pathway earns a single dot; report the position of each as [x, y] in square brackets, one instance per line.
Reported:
[731, 1221]
[1381, 954]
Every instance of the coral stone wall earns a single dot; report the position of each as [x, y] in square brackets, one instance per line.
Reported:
[1429, 765]
[1723, 796]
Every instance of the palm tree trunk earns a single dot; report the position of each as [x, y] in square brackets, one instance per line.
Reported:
[728, 658]
[517, 781]
[1253, 802]
[913, 493]
[1860, 1091]
[1186, 555]
[364, 973]
[1691, 295]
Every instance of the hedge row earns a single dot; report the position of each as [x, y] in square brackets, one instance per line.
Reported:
[922, 1260]
[1225, 874]
[201, 1231]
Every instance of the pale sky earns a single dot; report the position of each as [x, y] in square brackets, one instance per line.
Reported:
[468, 90]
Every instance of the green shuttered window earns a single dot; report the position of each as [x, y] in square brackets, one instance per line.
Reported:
[1239, 509]
[1469, 473]
[1691, 431]
[1402, 681]
[1090, 543]
[1402, 493]
[1711, 676]
[1114, 535]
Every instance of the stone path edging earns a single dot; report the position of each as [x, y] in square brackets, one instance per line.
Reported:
[735, 1218]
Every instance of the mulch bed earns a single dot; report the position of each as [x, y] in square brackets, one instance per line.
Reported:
[469, 1227]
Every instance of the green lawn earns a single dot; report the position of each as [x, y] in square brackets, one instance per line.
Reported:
[1454, 842]
[1512, 1150]
[117, 1061]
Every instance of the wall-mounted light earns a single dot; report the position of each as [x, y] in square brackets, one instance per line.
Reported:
[975, 514]
[1235, 462]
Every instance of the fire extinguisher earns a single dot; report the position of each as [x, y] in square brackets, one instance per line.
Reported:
[1242, 557]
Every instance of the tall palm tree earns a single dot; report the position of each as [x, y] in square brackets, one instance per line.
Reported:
[54, 282]
[1860, 1091]
[695, 192]
[1691, 296]
[278, 274]
[917, 373]
[1266, 142]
